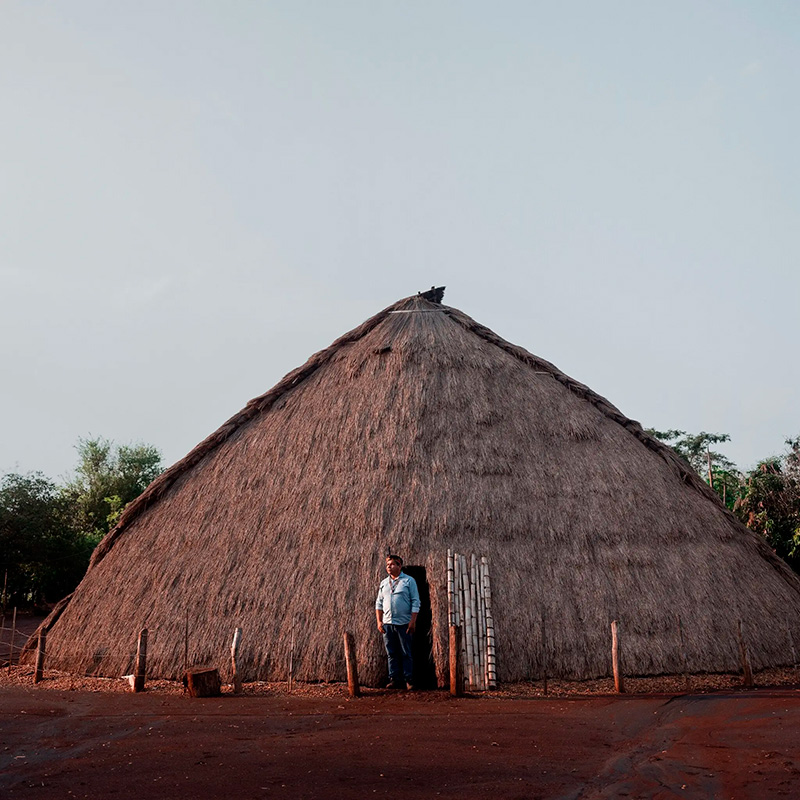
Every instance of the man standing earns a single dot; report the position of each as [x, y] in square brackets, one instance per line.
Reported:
[396, 611]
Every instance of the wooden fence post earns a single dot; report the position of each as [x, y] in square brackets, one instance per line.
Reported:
[352, 665]
[684, 660]
[619, 681]
[456, 664]
[13, 636]
[237, 678]
[544, 650]
[791, 645]
[39, 671]
[747, 672]
[141, 661]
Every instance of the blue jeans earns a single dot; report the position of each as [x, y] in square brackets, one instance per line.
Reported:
[397, 640]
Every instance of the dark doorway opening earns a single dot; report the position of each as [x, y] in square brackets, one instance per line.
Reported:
[422, 644]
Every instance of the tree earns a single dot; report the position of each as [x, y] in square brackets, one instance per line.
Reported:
[769, 502]
[42, 555]
[695, 448]
[107, 478]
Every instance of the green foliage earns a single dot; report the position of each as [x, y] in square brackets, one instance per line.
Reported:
[696, 448]
[107, 478]
[769, 502]
[41, 553]
[715, 468]
[48, 533]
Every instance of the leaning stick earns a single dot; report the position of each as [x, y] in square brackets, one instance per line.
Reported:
[457, 615]
[476, 626]
[451, 611]
[476, 636]
[461, 616]
[491, 657]
[468, 623]
[482, 618]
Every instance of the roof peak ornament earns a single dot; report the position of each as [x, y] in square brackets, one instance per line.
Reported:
[434, 294]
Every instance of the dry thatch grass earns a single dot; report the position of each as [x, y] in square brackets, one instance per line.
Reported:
[418, 431]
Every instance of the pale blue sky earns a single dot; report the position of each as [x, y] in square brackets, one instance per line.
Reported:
[198, 195]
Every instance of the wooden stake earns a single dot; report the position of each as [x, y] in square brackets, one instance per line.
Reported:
[40, 647]
[141, 661]
[619, 681]
[747, 672]
[791, 645]
[291, 661]
[684, 660]
[186, 643]
[237, 678]
[352, 665]
[13, 636]
[544, 649]
[456, 664]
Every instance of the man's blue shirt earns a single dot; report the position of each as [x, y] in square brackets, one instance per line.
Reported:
[398, 598]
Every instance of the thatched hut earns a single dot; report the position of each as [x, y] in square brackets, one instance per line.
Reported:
[418, 431]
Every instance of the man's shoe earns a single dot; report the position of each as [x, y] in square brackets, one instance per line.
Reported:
[409, 687]
[395, 686]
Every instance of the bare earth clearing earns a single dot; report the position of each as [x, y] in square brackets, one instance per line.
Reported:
[97, 741]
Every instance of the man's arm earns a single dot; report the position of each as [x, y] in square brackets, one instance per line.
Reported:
[413, 624]
[379, 618]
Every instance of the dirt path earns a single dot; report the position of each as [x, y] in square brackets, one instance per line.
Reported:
[56, 744]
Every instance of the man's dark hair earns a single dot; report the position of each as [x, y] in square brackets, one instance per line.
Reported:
[395, 558]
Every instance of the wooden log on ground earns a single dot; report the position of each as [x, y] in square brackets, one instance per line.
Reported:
[203, 682]
[747, 672]
[353, 686]
[40, 648]
[619, 681]
[237, 678]
[456, 662]
[141, 661]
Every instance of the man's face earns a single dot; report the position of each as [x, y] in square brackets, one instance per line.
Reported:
[392, 567]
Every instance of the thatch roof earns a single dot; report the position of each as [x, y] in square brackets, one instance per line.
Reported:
[419, 431]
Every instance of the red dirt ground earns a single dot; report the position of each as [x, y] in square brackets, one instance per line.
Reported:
[76, 744]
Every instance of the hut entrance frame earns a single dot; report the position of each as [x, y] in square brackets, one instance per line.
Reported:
[422, 645]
